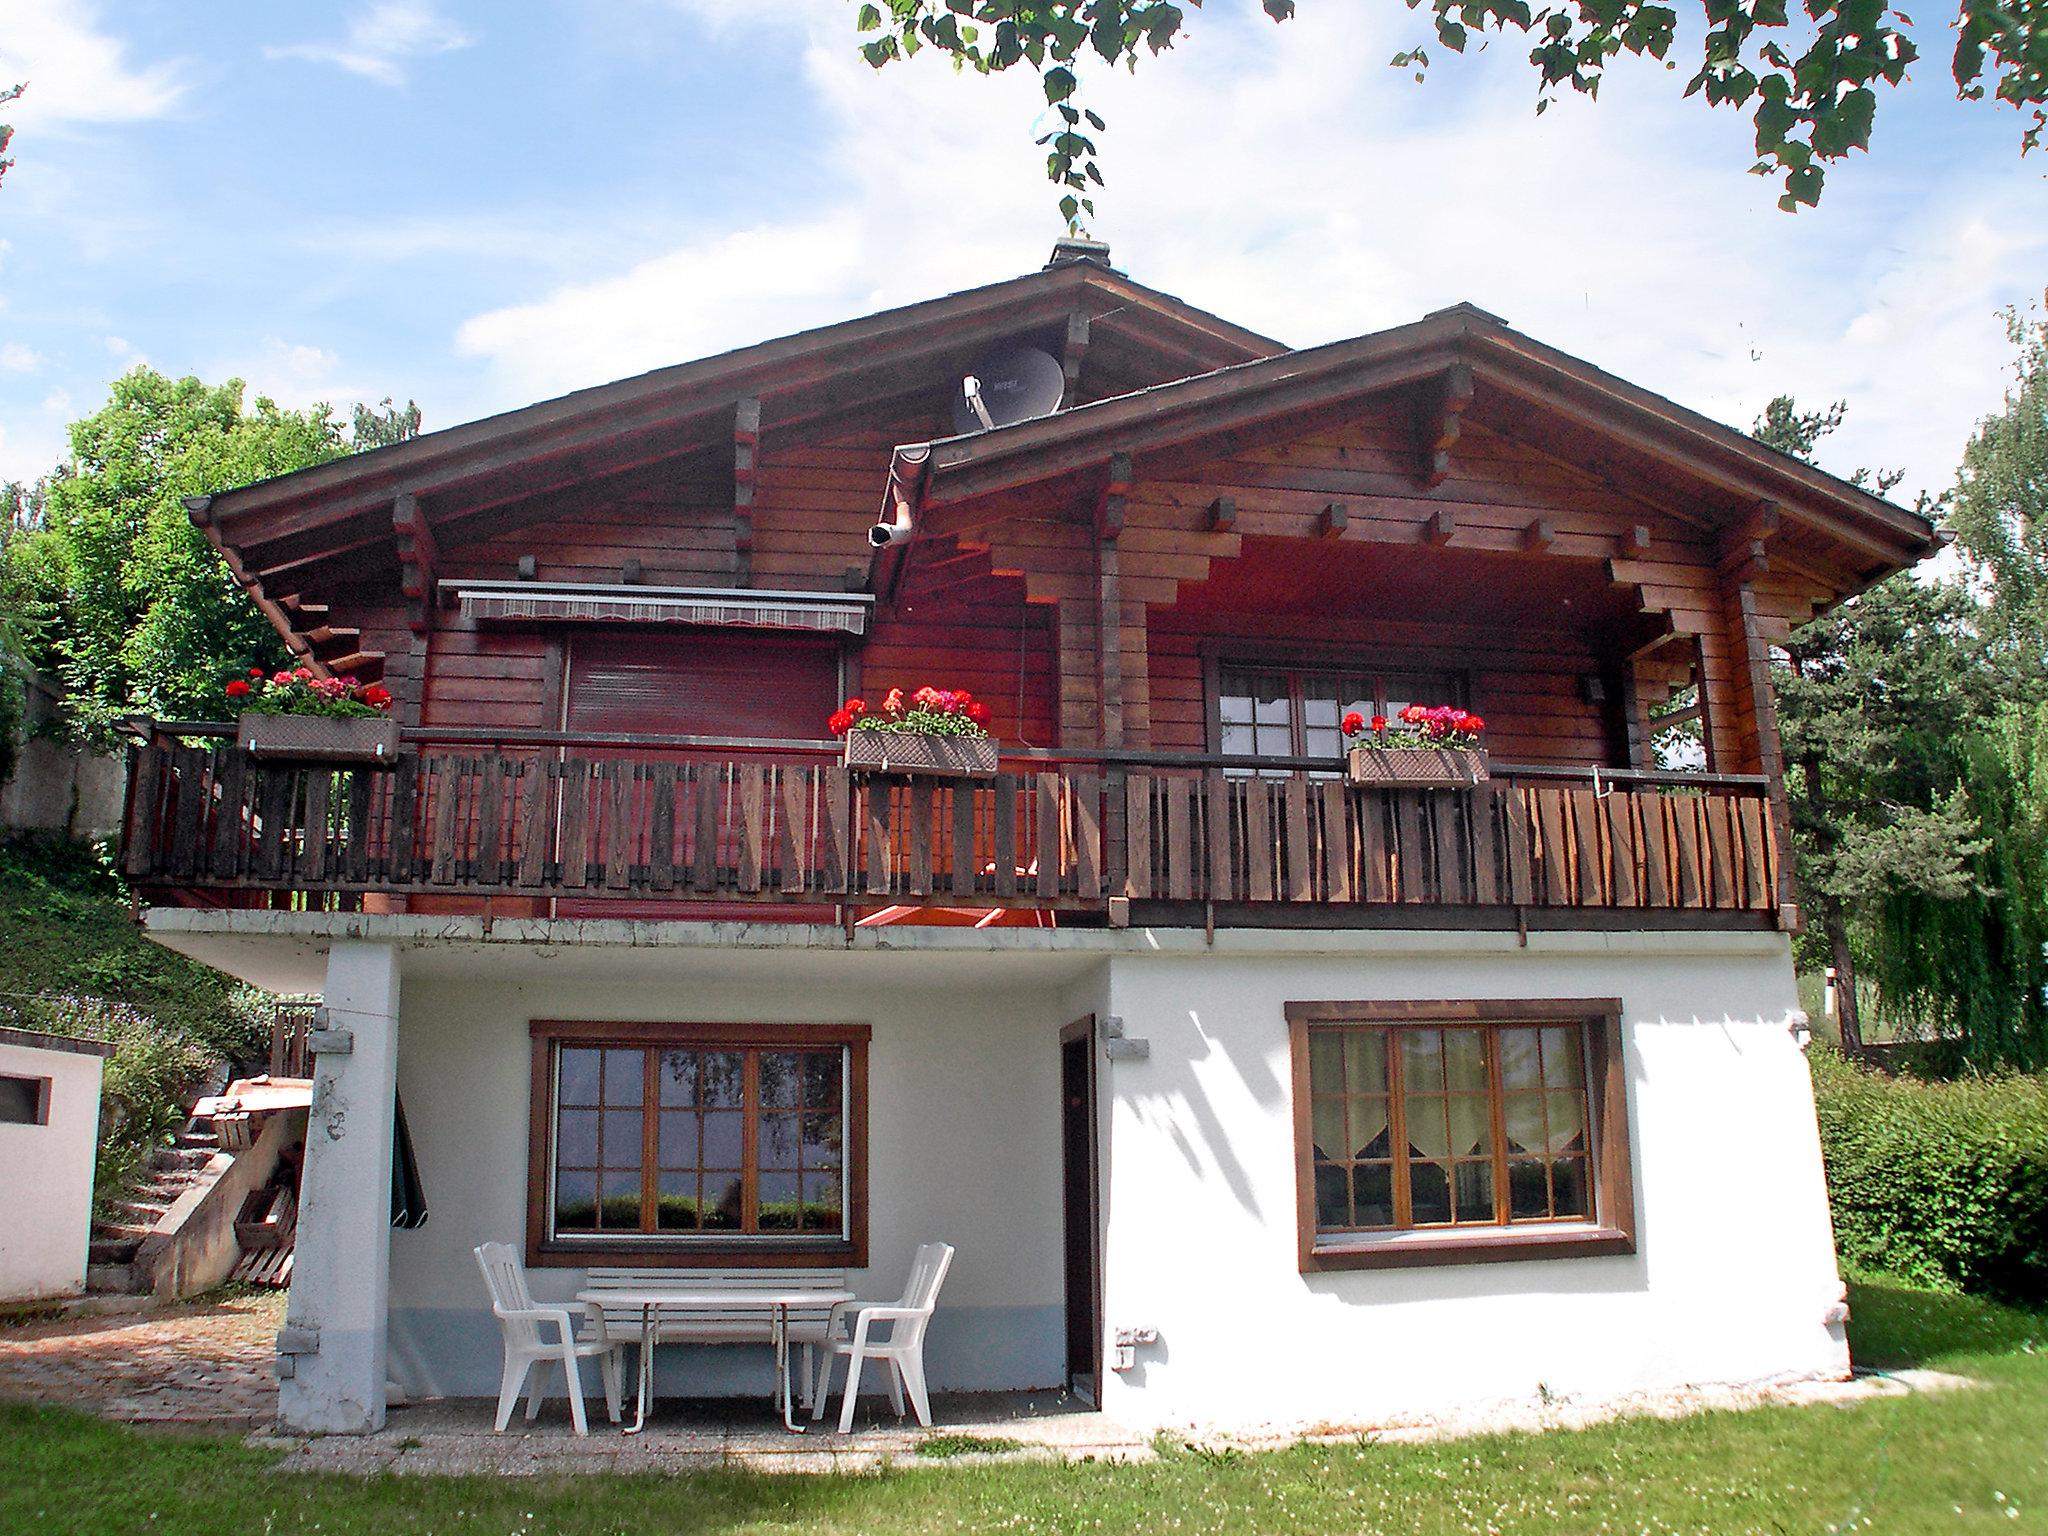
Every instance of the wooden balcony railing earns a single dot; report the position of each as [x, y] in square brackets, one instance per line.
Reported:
[680, 822]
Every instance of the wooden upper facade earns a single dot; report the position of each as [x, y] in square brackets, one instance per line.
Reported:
[1448, 504]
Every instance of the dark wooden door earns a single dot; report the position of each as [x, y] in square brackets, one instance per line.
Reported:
[1081, 1187]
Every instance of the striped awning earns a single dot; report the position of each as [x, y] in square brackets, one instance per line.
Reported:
[570, 602]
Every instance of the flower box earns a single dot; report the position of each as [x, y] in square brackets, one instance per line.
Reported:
[1418, 767]
[320, 738]
[913, 752]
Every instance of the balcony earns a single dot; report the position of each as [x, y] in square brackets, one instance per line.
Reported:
[552, 823]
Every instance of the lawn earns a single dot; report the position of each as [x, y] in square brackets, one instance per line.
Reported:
[1952, 1462]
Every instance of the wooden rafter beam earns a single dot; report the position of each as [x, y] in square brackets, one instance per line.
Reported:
[1110, 502]
[1442, 408]
[419, 558]
[1074, 355]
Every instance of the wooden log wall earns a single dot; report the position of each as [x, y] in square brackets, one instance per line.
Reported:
[811, 500]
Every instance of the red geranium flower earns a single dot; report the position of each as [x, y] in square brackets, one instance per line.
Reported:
[978, 713]
[1379, 723]
[239, 688]
[377, 696]
[894, 702]
[1474, 724]
[257, 673]
[1353, 723]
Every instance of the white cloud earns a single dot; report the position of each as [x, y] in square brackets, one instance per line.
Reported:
[16, 358]
[728, 292]
[294, 374]
[75, 72]
[1283, 177]
[57, 402]
[380, 41]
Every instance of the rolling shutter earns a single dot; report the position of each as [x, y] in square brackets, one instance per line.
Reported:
[703, 685]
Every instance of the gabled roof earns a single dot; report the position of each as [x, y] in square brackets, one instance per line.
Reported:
[292, 522]
[1524, 388]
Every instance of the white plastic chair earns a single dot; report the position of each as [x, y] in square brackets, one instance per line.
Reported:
[525, 1348]
[902, 1351]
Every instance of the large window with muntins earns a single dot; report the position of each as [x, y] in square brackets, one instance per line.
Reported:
[1425, 1127]
[1298, 711]
[681, 1138]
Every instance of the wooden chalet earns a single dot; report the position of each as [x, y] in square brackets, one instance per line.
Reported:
[615, 623]
[1185, 1040]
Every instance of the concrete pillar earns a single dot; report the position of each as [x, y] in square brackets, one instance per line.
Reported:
[331, 1349]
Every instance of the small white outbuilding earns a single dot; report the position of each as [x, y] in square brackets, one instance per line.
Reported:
[49, 1128]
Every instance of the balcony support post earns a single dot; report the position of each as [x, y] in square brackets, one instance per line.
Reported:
[1761, 750]
[331, 1352]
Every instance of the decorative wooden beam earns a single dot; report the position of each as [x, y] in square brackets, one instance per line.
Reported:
[418, 555]
[1109, 505]
[1223, 515]
[1331, 521]
[1539, 535]
[1743, 556]
[746, 450]
[743, 548]
[1444, 402]
[1074, 354]
[1438, 530]
[200, 510]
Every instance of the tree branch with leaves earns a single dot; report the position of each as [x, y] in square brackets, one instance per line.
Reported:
[1808, 77]
[11, 93]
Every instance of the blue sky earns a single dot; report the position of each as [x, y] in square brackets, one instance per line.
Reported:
[481, 205]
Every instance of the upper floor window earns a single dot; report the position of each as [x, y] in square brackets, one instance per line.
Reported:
[1278, 710]
[1442, 1128]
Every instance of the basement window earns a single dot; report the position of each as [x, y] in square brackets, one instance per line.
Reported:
[674, 1144]
[24, 1100]
[1458, 1132]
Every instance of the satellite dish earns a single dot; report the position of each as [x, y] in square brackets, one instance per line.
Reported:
[1015, 384]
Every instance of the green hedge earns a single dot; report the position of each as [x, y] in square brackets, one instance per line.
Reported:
[1945, 1184]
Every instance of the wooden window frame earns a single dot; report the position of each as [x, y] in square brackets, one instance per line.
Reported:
[40, 1115]
[1297, 658]
[726, 1251]
[1612, 1229]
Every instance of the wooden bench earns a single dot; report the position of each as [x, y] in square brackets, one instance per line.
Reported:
[737, 1325]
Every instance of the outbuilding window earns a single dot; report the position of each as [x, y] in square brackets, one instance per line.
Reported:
[1441, 1132]
[24, 1100]
[720, 1143]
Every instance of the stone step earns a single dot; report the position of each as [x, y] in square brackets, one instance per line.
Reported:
[186, 1159]
[125, 1230]
[111, 1250]
[104, 1279]
[142, 1213]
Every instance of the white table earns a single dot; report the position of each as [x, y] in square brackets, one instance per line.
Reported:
[652, 1301]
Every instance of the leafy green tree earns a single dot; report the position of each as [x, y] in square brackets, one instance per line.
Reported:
[127, 603]
[1919, 795]
[2000, 510]
[1808, 80]
[1878, 697]
[382, 426]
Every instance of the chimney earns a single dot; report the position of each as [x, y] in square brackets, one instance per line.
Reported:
[1075, 248]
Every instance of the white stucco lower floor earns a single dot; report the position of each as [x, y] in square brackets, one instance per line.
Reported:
[1733, 1279]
